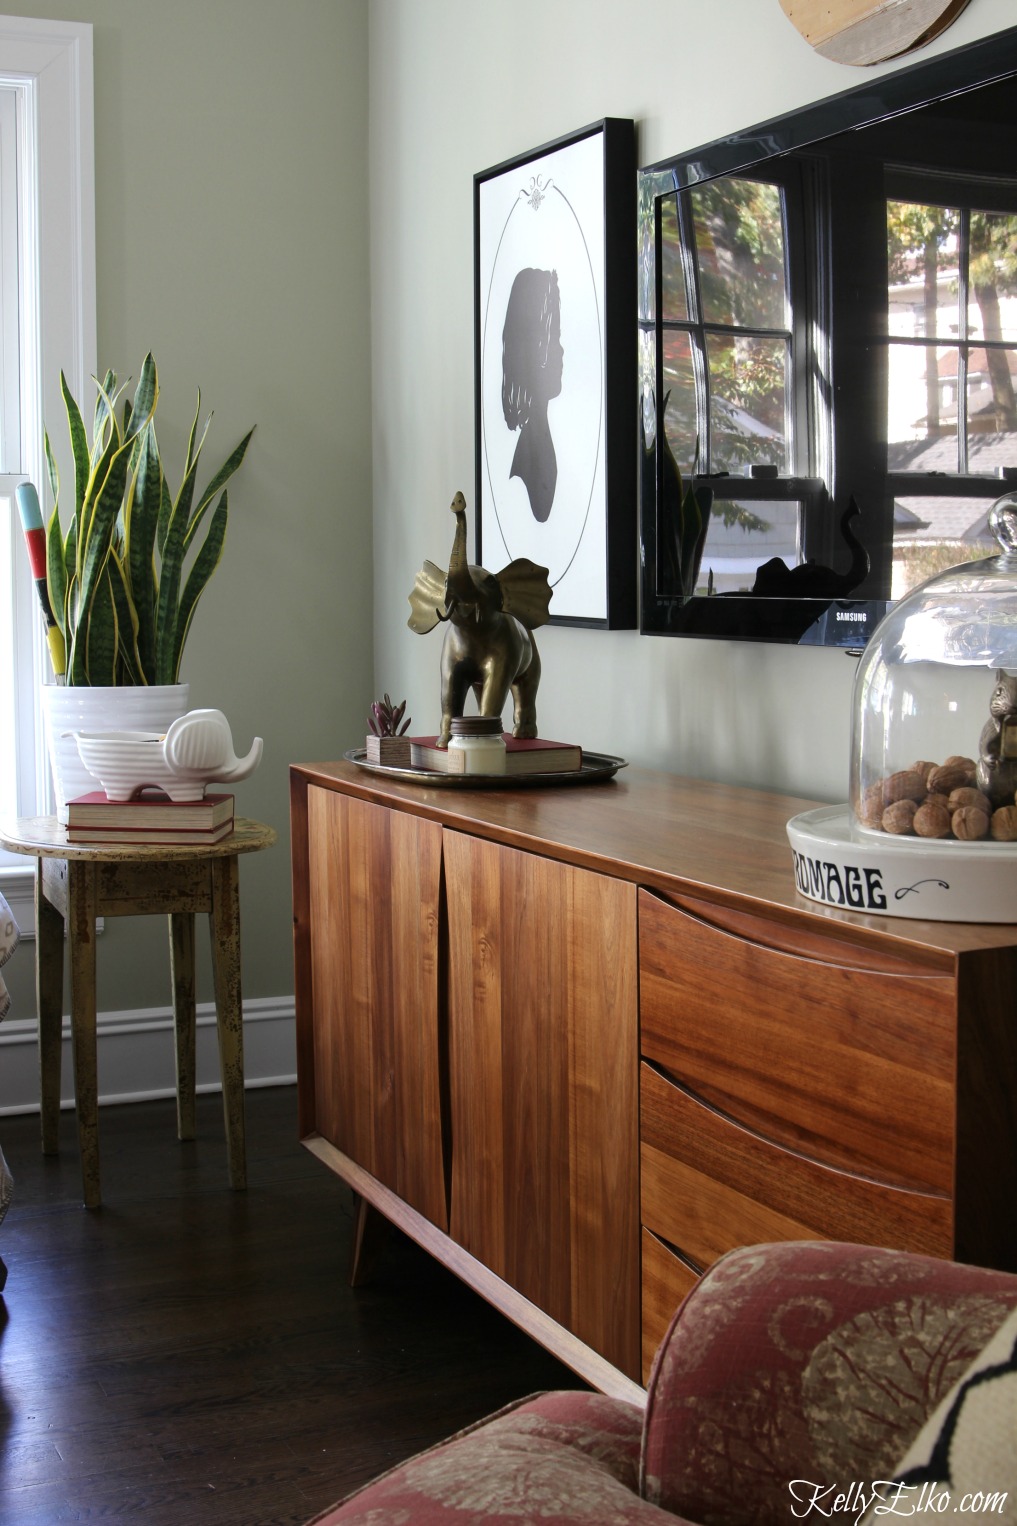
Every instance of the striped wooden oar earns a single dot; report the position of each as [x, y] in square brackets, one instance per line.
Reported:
[35, 539]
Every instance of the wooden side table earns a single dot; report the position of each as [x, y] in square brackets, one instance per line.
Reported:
[75, 884]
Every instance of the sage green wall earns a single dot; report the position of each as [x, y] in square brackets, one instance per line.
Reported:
[460, 85]
[231, 213]
[232, 205]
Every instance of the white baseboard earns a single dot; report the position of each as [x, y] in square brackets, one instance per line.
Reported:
[136, 1054]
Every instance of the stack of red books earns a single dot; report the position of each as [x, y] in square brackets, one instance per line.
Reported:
[151, 817]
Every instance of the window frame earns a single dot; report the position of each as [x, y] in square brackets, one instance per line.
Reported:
[49, 64]
[807, 425]
[966, 193]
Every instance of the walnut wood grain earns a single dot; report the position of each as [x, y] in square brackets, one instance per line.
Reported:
[668, 833]
[303, 972]
[666, 1281]
[844, 1075]
[986, 1172]
[543, 1071]
[705, 1218]
[709, 1184]
[373, 948]
[824, 1054]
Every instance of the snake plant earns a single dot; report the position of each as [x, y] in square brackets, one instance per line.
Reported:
[124, 579]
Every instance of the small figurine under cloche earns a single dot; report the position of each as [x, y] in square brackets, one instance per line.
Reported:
[931, 828]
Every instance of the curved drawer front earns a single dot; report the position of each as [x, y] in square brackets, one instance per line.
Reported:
[820, 1046]
[709, 1184]
[666, 1280]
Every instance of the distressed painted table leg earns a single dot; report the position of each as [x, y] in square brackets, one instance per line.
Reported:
[224, 926]
[78, 882]
[181, 931]
[81, 913]
[49, 990]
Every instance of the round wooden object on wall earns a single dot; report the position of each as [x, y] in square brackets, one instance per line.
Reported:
[869, 31]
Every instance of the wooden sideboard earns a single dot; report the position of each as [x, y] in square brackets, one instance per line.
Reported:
[579, 1042]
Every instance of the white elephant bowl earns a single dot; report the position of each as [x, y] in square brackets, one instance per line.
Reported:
[196, 751]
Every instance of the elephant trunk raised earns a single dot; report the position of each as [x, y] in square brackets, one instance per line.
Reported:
[488, 645]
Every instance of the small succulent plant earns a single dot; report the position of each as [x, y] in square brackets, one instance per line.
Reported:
[385, 717]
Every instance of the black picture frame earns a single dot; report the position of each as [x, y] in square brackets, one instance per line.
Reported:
[555, 265]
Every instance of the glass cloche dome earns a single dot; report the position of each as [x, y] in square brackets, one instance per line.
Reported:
[934, 740]
[931, 827]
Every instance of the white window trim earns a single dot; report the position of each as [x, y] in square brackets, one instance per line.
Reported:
[52, 62]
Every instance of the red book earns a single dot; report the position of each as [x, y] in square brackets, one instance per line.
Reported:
[152, 812]
[164, 836]
[531, 755]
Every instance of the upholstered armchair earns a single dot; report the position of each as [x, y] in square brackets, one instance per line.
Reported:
[793, 1379]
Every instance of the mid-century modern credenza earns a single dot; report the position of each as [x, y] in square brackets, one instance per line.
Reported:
[580, 1041]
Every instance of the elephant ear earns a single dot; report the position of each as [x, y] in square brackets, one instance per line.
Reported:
[427, 601]
[525, 592]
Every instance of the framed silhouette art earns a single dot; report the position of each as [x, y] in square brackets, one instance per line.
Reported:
[556, 377]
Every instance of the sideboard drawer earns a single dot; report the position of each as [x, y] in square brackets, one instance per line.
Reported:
[709, 1184]
[666, 1280]
[822, 1047]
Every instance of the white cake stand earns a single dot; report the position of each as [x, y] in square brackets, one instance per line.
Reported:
[840, 863]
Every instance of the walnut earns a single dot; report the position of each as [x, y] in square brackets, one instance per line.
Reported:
[969, 823]
[948, 777]
[932, 820]
[941, 800]
[971, 797]
[956, 760]
[899, 817]
[870, 812]
[1003, 825]
[905, 785]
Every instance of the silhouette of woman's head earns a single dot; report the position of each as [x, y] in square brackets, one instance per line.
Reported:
[531, 346]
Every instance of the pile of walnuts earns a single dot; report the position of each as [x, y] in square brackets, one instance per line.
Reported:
[937, 800]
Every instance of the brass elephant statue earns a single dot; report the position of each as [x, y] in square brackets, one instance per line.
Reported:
[488, 643]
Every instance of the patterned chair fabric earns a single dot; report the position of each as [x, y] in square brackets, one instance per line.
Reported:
[793, 1377]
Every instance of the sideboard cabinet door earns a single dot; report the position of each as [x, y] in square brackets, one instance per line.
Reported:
[543, 1060]
[374, 893]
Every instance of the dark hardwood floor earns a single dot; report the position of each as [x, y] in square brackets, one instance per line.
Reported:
[190, 1354]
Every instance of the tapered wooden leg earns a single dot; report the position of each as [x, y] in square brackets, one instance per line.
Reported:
[49, 991]
[224, 925]
[370, 1231]
[81, 900]
[181, 932]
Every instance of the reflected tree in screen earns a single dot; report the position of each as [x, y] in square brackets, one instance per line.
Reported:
[740, 245]
[993, 273]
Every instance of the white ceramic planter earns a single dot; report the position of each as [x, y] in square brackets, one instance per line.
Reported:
[144, 707]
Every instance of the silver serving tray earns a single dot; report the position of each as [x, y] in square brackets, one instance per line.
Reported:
[595, 766]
